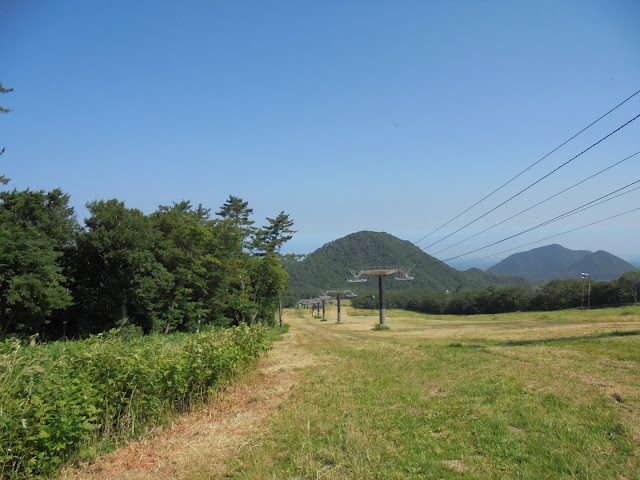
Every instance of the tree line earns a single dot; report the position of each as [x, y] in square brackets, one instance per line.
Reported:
[554, 295]
[175, 269]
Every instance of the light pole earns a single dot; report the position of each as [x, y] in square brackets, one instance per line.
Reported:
[588, 277]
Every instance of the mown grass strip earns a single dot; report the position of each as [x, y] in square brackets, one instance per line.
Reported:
[407, 407]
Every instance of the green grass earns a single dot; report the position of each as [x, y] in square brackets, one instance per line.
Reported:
[531, 396]
[275, 333]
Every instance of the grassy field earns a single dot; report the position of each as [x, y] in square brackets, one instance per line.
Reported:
[523, 395]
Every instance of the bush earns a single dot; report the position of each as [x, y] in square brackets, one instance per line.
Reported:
[55, 396]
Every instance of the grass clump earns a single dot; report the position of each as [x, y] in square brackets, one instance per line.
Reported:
[377, 327]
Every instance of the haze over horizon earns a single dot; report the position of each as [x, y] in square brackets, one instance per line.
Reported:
[349, 116]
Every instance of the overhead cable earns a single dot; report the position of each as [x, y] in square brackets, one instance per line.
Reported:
[528, 168]
[547, 238]
[539, 203]
[534, 183]
[566, 214]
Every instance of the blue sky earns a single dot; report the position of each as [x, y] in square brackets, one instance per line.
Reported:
[388, 116]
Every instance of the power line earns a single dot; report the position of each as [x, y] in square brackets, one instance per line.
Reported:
[539, 203]
[534, 183]
[547, 238]
[566, 214]
[528, 168]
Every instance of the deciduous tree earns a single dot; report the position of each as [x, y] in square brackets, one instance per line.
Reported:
[630, 281]
[35, 230]
[116, 274]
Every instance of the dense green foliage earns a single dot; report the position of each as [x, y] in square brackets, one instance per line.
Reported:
[554, 295]
[176, 269]
[55, 396]
[35, 229]
[328, 268]
[555, 261]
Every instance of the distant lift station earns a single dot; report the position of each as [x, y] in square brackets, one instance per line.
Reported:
[399, 273]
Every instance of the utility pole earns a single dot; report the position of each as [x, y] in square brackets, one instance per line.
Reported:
[381, 273]
[337, 293]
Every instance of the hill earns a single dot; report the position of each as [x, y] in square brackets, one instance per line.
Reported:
[328, 267]
[556, 261]
[540, 263]
[600, 265]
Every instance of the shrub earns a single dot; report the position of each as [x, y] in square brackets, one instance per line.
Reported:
[55, 396]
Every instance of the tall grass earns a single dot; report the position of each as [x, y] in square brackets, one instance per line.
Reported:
[54, 397]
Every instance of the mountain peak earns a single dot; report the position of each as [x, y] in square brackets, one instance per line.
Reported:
[556, 261]
[328, 267]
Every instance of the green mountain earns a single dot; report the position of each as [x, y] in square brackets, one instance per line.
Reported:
[328, 268]
[600, 265]
[541, 263]
[555, 261]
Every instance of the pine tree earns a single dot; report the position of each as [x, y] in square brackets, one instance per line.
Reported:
[4, 180]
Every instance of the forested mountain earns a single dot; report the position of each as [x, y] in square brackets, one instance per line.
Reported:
[539, 263]
[556, 261]
[328, 267]
[600, 265]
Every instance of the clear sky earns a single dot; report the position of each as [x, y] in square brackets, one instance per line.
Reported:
[389, 116]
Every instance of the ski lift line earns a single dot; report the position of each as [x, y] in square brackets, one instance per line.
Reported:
[545, 239]
[576, 210]
[559, 217]
[592, 203]
[582, 209]
[539, 203]
[534, 183]
[529, 167]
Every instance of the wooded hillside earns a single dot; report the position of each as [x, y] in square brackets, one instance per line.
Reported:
[328, 267]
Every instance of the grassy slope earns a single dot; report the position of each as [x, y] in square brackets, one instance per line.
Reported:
[553, 395]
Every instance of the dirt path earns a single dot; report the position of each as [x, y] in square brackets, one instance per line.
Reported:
[198, 444]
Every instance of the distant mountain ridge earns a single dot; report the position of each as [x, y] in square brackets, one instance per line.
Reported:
[328, 267]
[556, 261]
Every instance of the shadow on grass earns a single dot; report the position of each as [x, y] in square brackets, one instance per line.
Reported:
[543, 341]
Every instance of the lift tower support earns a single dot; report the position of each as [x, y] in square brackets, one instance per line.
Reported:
[381, 273]
[337, 293]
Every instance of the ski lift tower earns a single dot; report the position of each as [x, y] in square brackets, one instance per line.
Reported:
[323, 298]
[399, 273]
[337, 293]
[308, 302]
